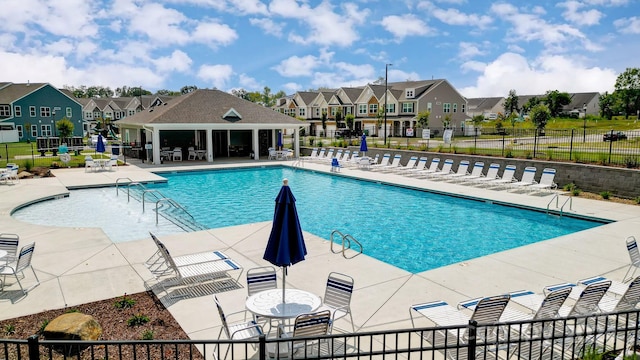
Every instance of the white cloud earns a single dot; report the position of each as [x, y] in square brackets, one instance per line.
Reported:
[291, 87]
[249, 83]
[607, 2]
[323, 26]
[60, 47]
[250, 6]
[355, 71]
[217, 75]
[405, 25]
[401, 75]
[513, 71]
[159, 24]
[297, 66]
[515, 48]
[628, 25]
[574, 15]
[70, 18]
[456, 17]
[268, 25]
[177, 61]
[476, 66]
[214, 34]
[468, 50]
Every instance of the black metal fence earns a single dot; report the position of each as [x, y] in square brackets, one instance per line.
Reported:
[610, 147]
[563, 338]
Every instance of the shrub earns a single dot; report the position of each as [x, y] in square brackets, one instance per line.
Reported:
[43, 326]
[550, 155]
[439, 148]
[602, 159]
[569, 187]
[630, 162]
[423, 147]
[320, 143]
[9, 329]
[575, 191]
[147, 335]
[28, 165]
[528, 155]
[124, 303]
[577, 158]
[137, 320]
[508, 152]
[605, 195]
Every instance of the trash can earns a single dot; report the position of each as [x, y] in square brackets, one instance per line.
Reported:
[115, 150]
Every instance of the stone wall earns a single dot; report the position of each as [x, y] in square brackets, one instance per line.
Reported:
[620, 182]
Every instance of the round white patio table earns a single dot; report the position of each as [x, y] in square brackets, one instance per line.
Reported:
[269, 304]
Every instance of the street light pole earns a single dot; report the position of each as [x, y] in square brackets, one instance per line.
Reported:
[584, 124]
[386, 80]
[53, 121]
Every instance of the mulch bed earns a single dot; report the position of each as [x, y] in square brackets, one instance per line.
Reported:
[114, 323]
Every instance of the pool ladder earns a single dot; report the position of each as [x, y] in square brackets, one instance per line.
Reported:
[347, 241]
[556, 197]
[173, 211]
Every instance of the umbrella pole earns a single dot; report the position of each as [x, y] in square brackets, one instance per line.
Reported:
[284, 276]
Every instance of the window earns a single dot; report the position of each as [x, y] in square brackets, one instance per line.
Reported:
[97, 115]
[45, 130]
[45, 111]
[463, 107]
[362, 109]
[446, 108]
[407, 107]
[317, 112]
[429, 106]
[32, 111]
[5, 110]
[410, 93]
[132, 112]
[333, 111]
[302, 112]
[34, 130]
[391, 108]
[348, 110]
[373, 108]
[455, 107]
[17, 111]
[69, 113]
[19, 128]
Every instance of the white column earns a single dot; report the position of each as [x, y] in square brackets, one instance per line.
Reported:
[256, 144]
[155, 143]
[296, 144]
[209, 145]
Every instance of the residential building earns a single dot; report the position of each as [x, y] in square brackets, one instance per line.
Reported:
[35, 108]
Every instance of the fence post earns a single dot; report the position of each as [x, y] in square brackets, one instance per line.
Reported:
[571, 145]
[34, 347]
[472, 333]
[610, 145]
[262, 347]
[503, 137]
[535, 142]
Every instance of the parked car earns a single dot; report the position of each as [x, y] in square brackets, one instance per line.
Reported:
[614, 136]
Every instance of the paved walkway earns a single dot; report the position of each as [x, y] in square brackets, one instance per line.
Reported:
[78, 265]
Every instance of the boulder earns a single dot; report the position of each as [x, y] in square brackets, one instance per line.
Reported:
[73, 326]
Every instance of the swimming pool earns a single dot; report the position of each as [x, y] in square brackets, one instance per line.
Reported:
[413, 230]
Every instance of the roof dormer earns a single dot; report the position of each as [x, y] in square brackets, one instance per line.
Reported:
[410, 93]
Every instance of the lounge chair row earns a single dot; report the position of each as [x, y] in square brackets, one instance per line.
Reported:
[467, 174]
[593, 296]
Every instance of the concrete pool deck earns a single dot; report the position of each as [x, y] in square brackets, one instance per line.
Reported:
[79, 265]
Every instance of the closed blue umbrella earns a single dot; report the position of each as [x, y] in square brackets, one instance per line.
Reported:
[279, 145]
[286, 242]
[100, 145]
[363, 144]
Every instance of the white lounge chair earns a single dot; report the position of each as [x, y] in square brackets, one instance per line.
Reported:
[506, 179]
[486, 312]
[492, 174]
[158, 264]
[528, 178]
[321, 154]
[408, 166]
[446, 170]
[634, 255]
[10, 174]
[420, 165]
[314, 154]
[392, 166]
[383, 162]
[433, 167]
[463, 170]
[546, 181]
[476, 172]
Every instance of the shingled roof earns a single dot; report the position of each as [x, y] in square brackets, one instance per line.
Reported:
[210, 107]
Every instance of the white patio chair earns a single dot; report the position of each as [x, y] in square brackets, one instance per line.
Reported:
[238, 330]
[192, 155]
[9, 243]
[111, 163]
[19, 266]
[177, 154]
[634, 255]
[89, 164]
[308, 326]
[337, 297]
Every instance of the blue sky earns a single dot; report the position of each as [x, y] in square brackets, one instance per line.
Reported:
[484, 48]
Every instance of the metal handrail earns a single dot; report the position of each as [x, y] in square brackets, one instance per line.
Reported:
[129, 188]
[118, 181]
[570, 201]
[556, 198]
[174, 204]
[346, 244]
[151, 191]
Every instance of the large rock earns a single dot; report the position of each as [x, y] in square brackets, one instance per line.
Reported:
[73, 326]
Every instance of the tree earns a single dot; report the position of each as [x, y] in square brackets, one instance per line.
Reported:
[540, 115]
[165, 92]
[350, 119]
[555, 100]
[64, 127]
[266, 97]
[338, 117]
[533, 101]
[628, 90]
[607, 104]
[446, 121]
[511, 103]
[241, 93]
[423, 119]
[324, 122]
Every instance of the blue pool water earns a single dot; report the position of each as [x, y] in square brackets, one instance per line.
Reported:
[410, 229]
